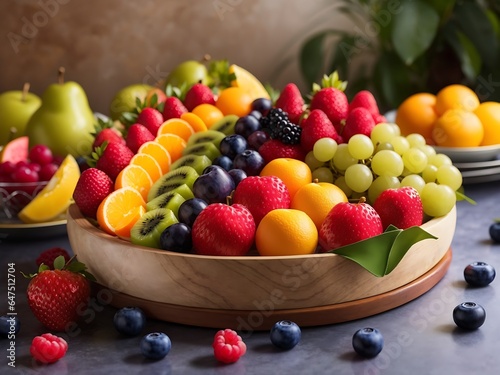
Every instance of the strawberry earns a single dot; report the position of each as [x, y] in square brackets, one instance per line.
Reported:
[379, 119]
[198, 94]
[228, 346]
[109, 134]
[138, 134]
[347, 223]
[48, 348]
[274, 148]
[173, 108]
[261, 194]
[359, 121]
[365, 99]
[57, 297]
[316, 126]
[111, 158]
[334, 103]
[401, 207]
[221, 229]
[48, 256]
[92, 187]
[291, 101]
[151, 118]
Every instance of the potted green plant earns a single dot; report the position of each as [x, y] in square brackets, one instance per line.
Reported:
[399, 47]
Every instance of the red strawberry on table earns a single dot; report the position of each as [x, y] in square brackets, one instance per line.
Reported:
[261, 194]
[222, 229]
[291, 101]
[359, 121]
[274, 149]
[347, 223]
[316, 126]
[57, 297]
[198, 94]
[92, 187]
[401, 207]
[111, 158]
[173, 108]
[137, 135]
[151, 118]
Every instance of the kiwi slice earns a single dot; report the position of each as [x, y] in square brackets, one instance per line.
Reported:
[205, 148]
[173, 179]
[148, 229]
[198, 162]
[225, 125]
[212, 136]
[171, 200]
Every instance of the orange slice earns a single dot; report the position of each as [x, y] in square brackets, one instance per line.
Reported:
[176, 126]
[149, 164]
[123, 227]
[195, 121]
[173, 144]
[158, 152]
[117, 206]
[136, 177]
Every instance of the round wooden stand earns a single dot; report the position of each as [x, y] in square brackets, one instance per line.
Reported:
[264, 318]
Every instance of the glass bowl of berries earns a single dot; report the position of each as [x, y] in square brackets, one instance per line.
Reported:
[22, 178]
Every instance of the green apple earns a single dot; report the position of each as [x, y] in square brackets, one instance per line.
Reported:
[64, 122]
[125, 99]
[16, 108]
[188, 72]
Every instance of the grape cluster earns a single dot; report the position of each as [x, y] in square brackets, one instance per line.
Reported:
[277, 123]
[366, 166]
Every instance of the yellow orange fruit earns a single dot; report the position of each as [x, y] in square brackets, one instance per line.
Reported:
[489, 115]
[173, 144]
[317, 199]
[208, 113]
[417, 114]
[195, 121]
[176, 126]
[158, 152]
[149, 164]
[286, 231]
[456, 96]
[458, 128]
[234, 101]
[136, 177]
[294, 173]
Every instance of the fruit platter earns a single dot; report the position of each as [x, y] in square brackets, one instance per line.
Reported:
[213, 200]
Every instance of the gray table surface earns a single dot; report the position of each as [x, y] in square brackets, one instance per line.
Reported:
[420, 336]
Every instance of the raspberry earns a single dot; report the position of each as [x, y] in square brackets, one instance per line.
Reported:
[47, 257]
[48, 348]
[280, 127]
[228, 346]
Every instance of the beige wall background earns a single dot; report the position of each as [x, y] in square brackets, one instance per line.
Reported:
[107, 44]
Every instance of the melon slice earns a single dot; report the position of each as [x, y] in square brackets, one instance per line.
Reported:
[15, 150]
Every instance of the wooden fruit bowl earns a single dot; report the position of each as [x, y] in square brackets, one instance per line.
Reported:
[253, 292]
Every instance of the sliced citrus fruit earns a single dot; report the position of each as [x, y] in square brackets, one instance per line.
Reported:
[209, 113]
[176, 126]
[136, 177]
[248, 82]
[15, 150]
[124, 226]
[195, 121]
[149, 164]
[158, 152]
[117, 206]
[55, 197]
[173, 144]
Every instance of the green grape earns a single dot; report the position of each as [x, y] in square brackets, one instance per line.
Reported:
[360, 146]
[312, 162]
[380, 184]
[429, 173]
[358, 177]
[383, 132]
[396, 128]
[414, 180]
[340, 182]
[324, 149]
[449, 175]
[415, 160]
[440, 159]
[342, 158]
[383, 146]
[415, 139]
[437, 200]
[427, 149]
[400, 144]
[323, 174]
[387, 163]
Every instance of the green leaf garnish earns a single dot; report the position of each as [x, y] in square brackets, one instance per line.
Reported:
[381, 254]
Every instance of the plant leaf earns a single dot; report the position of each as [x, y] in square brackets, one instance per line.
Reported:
[312, 55]
[465, 50]
[414, 29]
[59, 262]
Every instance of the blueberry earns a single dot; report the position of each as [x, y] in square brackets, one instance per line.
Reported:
[285, 334]
[256, 114]
[237, 175]
[223, 161]
[177, 237]
[155, 345]
[233, 145]
[262, 105]
[479, 274]
[250, 161]
[257, 139]
[129, 321]
[469, 315]
[190, 209]
[9, 326]
[246, 125]
[495, 232]
[368, 342]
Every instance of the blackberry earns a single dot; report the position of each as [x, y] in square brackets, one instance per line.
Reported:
[277, 124]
